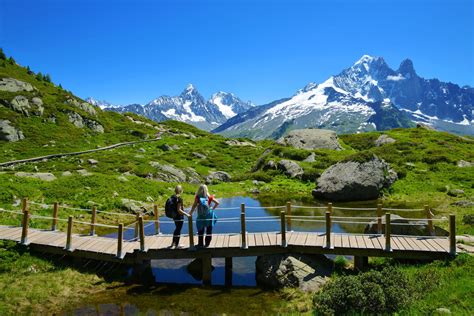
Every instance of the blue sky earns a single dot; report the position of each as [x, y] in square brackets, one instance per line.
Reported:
[134, 51]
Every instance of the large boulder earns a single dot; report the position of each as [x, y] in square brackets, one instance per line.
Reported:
[94, 126]
[218, 176]
[290, 168]
[13, 85]
[355, 181]
[384, 140]
[87, 107]
[76, 119]
[311, 139]
[168, 173]
[44, 176]
[235, 142]
[405, 227]
[308, 273]
[136, 207]
[192, 176]
[10, 133]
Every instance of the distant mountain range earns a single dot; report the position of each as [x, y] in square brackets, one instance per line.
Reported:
[367, 96]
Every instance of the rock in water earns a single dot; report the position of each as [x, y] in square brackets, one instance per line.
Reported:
[355, 181]
[311, 139]
[10, 133]
[383, 140]
[290, 168]
[309, 273]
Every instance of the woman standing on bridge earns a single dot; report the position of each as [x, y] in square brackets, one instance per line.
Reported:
[206, 218]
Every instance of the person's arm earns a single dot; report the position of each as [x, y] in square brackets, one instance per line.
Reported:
[181, 209]
[216, 203]
[193, 207]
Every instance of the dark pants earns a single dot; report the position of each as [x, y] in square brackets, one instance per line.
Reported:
[208, 236]
[177, 231]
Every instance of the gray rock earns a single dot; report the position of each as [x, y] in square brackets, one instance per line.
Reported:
[76, 119]
[136, 207]
[94, 126]
[166, 147]
[383, 140]
[464, 164]
[269, 165]
[192, 176]
[425, 126]
[414, 228]
[198, 155]
[442, 311]
[44, 176]
[21, 105]
[290, 168]
[218, 176]
[235, 142]
[261, 160]
[310, 158]
[455, 192]
[175, 147]
[168, 173]
[9, 132]
[66, 174]
[87, 107]
[122, 178]
[92, 161]
[308, 273]
[38, 106]
[353, 181]
[311, 139]
[142, 150]
[84, 172]
[463, 203]
[13, 85]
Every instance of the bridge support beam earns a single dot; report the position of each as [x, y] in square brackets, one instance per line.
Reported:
[142, 273]
[361, 263]
[206, 269]
[228, 271]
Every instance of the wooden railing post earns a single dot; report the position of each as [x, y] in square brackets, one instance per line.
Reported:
[191, 234]
[120, 241]
[157, 219]
[69, 234]
[388, 230]
[243, 231]
[452, 234]
[328, 229]
[135, 231]
[288, 212]
[54, 226]
[283, 229]
[330, 208]
[429, 218]
[142, 233]
[379, 218]
[25, 223]
[93, 220]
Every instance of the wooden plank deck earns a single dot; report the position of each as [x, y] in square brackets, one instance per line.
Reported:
[158, 246]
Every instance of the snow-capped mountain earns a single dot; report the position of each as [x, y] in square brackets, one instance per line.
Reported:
[367, 96]
[101, 103]
[191, 107]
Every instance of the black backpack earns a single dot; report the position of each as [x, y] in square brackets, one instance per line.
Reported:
[171, 207]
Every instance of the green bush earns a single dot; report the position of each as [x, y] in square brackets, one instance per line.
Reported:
[291, 153]
[360, 157]
[369, 293]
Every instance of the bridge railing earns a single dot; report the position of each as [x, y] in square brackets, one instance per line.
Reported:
[285, 218]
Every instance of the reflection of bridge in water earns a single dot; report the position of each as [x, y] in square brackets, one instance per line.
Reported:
[140, 248]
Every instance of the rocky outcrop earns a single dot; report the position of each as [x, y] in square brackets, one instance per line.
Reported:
[9, 132]
[38, 175]
[311, 139]
[310, 158]
[269, 165]
[13, 85]
[384, 140]
[290, 168]
[168, 173]
[87, 107]
[464, 164]
[355, 181]
[405, 227]
[192, 176]
[235, 142]
[21, 105]
[78, 121]
[308, 273]
[199, 155]
[136, 207]
[218, 176]
[463, 203]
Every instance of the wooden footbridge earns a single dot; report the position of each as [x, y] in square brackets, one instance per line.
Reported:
[143, 248]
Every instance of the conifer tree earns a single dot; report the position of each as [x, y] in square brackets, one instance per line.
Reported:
[39, 76]
[2, 54]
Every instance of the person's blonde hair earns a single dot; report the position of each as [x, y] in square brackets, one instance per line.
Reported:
[178, 189]
[202, 191]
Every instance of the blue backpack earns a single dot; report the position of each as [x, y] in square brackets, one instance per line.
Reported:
[203, 207]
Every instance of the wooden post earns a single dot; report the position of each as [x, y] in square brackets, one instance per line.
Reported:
[24, 227]
[142, 233]
[243, 231]
[157, 219]
[288, 212]
[452, 234]
[328, 229]
[228, 272]
[190, 228]
[120, 241]
[429, 217]
[69, 234]
[93, 220]
[388, 230]
[330, 208]
[135, 231]
[379, 218]
[283, 229]
[206, 269]
[54, 226]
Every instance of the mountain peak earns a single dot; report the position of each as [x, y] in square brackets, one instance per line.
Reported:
[406, 68]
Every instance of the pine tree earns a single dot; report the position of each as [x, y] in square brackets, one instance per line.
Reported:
[47, 78]
[39, 76]
[60, 87]
[2, 54]
[11, 60]
[28, 70]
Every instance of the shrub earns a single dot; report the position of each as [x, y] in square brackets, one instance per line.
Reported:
[360, 157]
[371, 292]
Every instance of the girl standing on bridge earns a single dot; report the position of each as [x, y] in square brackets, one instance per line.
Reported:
[206, 218]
